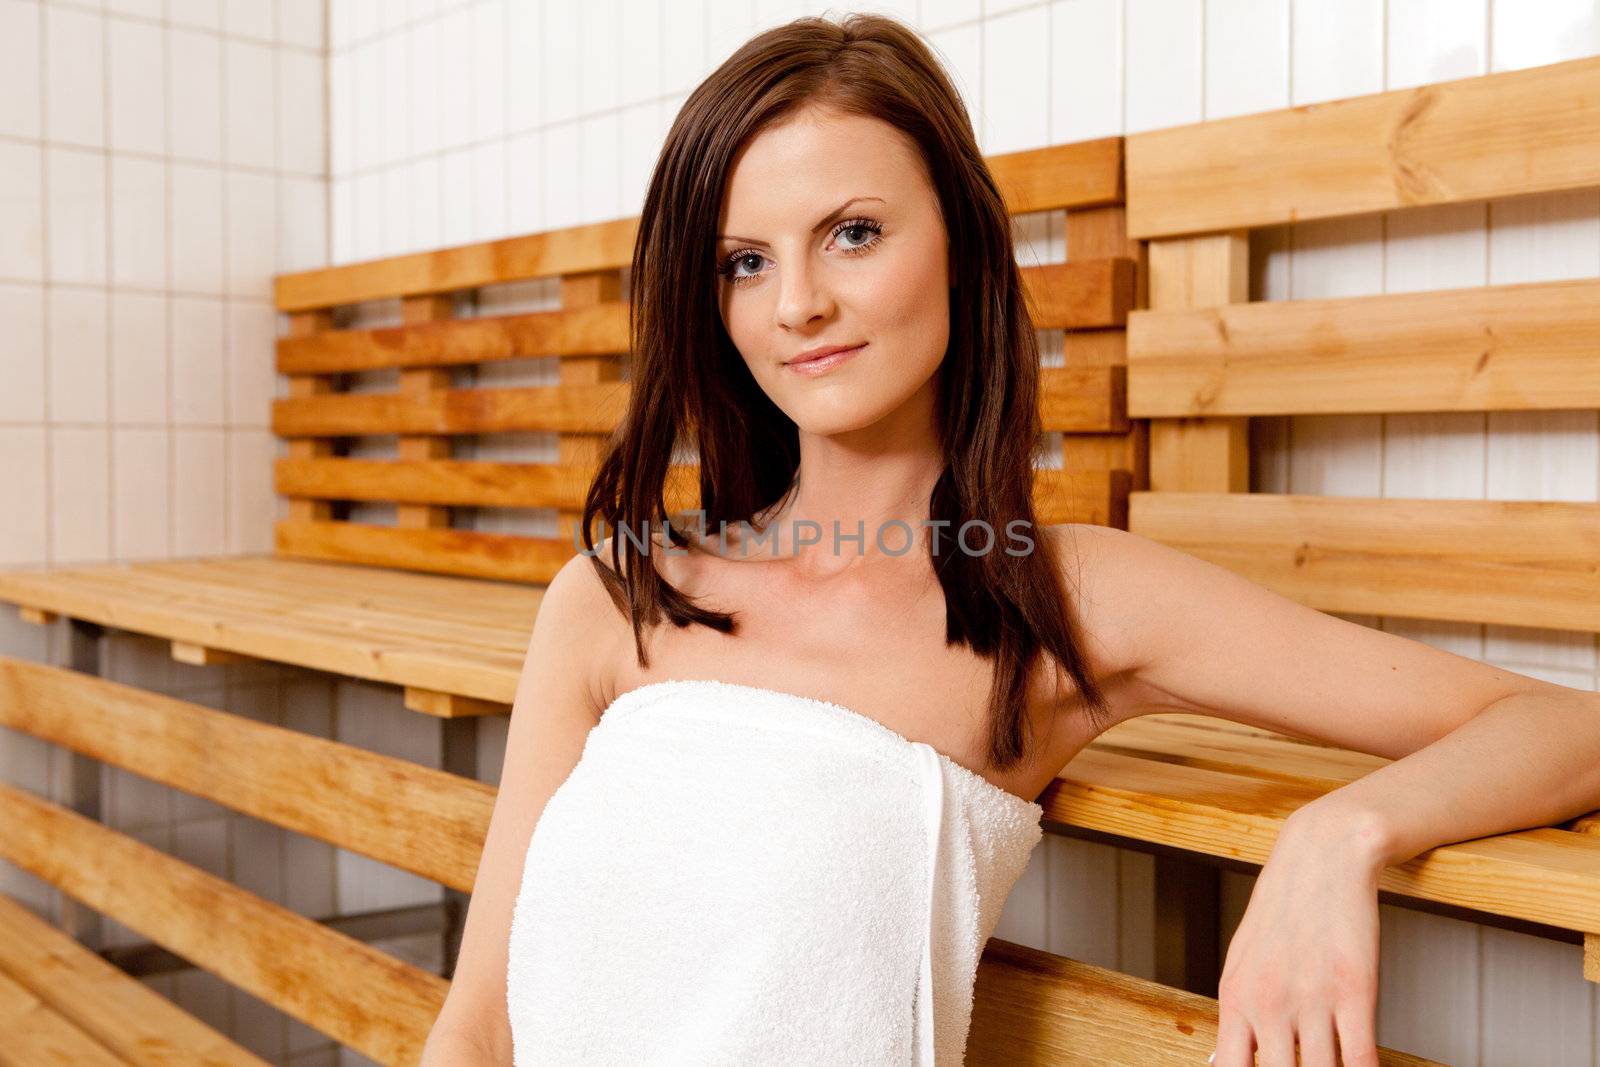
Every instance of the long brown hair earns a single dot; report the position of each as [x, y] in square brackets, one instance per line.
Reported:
[690, 382]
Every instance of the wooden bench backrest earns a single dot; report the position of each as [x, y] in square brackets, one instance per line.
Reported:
[1090, 295]
[1203, 358]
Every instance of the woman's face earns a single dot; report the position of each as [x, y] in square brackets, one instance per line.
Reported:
[830, 233]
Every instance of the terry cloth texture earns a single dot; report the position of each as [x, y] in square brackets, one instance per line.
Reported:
[734, 875]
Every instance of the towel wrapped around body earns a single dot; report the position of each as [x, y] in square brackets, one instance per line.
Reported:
[737, 875]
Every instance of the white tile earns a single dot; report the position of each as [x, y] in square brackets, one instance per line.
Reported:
[1436, 40]
[252, 213]
[23, 471]
[524, 63]
[251, 499]
[342, 221]
[599, 175]
[369, 238]
[138, 83]
[369, 106]
[302, 223]
[22, 359]
[76, 216]
[198, 361]
[341, 114]
[683, 48]
[524, 179]
[641, 146]
[390, 16]
[1085, 70]
[1543, 455]
[252, 358]
[302, 110]
[960, 50]
[425, 196]
[937, 14]
[196, 262]
[1016, 82]
[1337, 257]
[456, 212]
[1436, 455]
[80, 494]
[199, 507]
[1545, 238]
[561, 47]
[395, 208]
[303, 23]
[249, 133]
[196, 14]
[74, 77]
[138, 358]
[79, 363]
[1563, 29]
[394, 62]
[1435, 247]
[427, 118]
[489, 23]
[489, 196]
[1246, 56]
[639, 53]
[1338, 50]
[729, 24]
[20, 73]
[249, 18]
[150, 9]
[599, 76]
[1163, 60]
[455, 76]
[141, 493]
[21, 212]
[341, 23]
[138, 222]
[560, 176]
[1335, 455]
[194, 94]
[1428, 981]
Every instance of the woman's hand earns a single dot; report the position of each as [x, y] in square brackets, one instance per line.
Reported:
[1303, 965]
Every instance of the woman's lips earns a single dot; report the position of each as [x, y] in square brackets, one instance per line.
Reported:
[825, 363]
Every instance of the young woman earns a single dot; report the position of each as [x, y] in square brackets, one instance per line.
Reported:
[782, 827]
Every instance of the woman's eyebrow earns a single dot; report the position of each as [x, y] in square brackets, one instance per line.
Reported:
[832, 216]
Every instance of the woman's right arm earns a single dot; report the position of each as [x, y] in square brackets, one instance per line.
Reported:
[559, 696]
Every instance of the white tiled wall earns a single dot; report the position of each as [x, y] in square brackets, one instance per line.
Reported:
[160, 161]
[525, 116]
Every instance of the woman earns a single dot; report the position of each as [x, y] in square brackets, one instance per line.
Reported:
[782, 827]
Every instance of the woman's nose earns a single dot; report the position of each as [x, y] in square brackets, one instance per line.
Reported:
[802, 295]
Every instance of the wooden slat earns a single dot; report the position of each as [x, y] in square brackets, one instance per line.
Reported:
[592, 331]
[1083, 399]
[1526, 131]
[1498, 348]
[313, 617]
[1037, 1009]
[1081, 494]
[566, 408]
[124, 1015]
[1517, 563]
[307, 324]
[376, 1004]
[599, 246]
[1081, 295]
[1542, 875]
[396, 811]
[35, 1036]
[503, 557]
[1077, 175]
[479, 483]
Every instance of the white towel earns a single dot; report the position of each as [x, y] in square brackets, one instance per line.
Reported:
[736, 875]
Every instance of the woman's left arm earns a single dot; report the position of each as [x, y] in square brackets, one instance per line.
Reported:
[1477, 750]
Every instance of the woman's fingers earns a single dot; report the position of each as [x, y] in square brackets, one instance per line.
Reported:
[1235, 1048]
[1358, 1045]
[1316, 1035]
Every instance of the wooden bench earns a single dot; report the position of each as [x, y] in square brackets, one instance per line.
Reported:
[1203, 358]
[412, 604]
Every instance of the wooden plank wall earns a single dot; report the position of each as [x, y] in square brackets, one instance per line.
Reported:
[1089, 296]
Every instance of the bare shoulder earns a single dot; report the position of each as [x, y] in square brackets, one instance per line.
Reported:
[585, 621]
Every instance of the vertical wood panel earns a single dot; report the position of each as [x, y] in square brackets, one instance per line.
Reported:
[302, 323]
